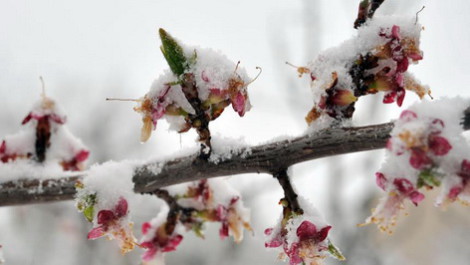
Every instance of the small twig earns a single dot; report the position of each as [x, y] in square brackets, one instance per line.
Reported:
[366, 11]
[289, 194]
[199, 120]
[176, 212]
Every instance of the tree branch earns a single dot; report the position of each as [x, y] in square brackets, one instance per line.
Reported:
[266, 158]
[29, 191]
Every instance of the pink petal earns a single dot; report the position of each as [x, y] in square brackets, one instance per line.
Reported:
[105, 216]
[400, 96]
[438, 125]
[273, 243]
[381, 180]
[149, 254]
[27, 119]
[216, 92]
[403, 185]
[408, 115]
[173, 243]
[234, 200]
[322, 234]
[221, 212]
[96, 232]
[223, 231]
[145, 227]
[238, 104]
[57, 119]
[268, 231]
[121, 208]
[306, 230]
[396, 31]
[389, 97]
[465, 167]
[3, 147]
[415, 56]
[439, 145]
[293, 254]
[419, 159]
[416, 197]
[402, 66]
[454, 192]
[204, 76]
[389, 144]
[82, 155]
[400, 79]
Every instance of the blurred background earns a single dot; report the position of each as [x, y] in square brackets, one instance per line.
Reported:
[89, 50]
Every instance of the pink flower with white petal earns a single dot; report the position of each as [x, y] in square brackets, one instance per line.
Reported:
[114, 224]
[302, 239]
[157, 241]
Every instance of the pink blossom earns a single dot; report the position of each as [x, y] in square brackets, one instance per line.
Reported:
[160, 241]
[309, 246]
[111, 223]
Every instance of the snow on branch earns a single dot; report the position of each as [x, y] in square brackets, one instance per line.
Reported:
[29, 191]
[266, 158]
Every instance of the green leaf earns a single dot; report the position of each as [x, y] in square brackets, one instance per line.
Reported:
[89, 212]
[173, 53]
[198, 230]
[334, 251]
[428, 178]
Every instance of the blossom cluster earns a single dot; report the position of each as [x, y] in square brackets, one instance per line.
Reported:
[187, 207]
[426, 150]
[194, 204]
[45, 138]
[302, 237]
[113, 223]
[201, 83]
[376, 60]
